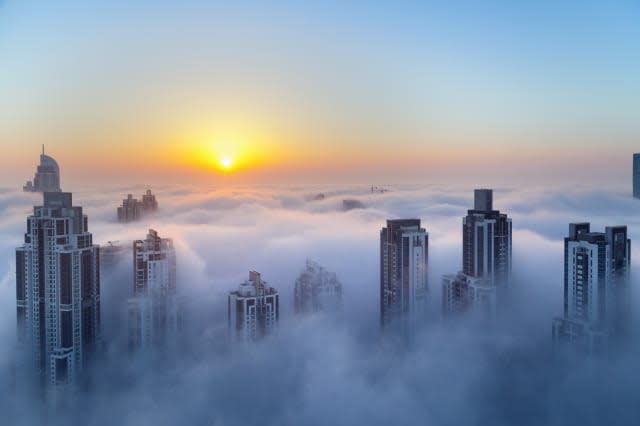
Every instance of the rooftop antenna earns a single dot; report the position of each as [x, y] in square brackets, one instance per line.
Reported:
[42, 149]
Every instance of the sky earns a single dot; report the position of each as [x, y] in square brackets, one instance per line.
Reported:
[320, 92]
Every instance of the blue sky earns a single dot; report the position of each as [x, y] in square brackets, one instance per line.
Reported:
[436, 78]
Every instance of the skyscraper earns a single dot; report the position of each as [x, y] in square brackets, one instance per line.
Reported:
[317, 290]
[116, 271]
[253, 309]
[636, 175]
[486, 260]
[154, 314]
[596, 287]
[133, 209]
[462, 293]
[149, 202]
[47, 177]
[130, 210]
[404, 250]
[58, 291]
[486, 241]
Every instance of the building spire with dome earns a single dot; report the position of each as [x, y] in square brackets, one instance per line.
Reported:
[47, 177]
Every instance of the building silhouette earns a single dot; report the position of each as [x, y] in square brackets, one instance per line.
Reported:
[486, 261]
[47, 177]
[116, 271]
[58, 292]
[154, 311]
[253, 309]
[133, 209]
[462, 293]
[636, 175]
[149, 202]
[404, 250]
[317, 290]
[130, 210]
[596, 288]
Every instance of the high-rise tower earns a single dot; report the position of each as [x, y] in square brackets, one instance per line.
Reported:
[253, 309]
[47, 177]
[486, 241]
[58, 291]
[154, 314]
[486, 260]
[404, 250]
[596, 286]
[317, 290]
[636, 175]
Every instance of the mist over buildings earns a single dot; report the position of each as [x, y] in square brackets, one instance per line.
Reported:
[323, 370]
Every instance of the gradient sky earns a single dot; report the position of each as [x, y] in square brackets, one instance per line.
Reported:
[293, 91]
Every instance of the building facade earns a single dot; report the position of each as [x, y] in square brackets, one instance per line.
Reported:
[595, 287]
[404, 251]
[58, 292]
[253, 310]
[154, 311]
[317, 290]
[47, 177]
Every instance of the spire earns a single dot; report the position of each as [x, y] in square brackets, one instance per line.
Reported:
[42, 149]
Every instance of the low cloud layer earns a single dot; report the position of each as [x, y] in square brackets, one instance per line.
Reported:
[336, 370]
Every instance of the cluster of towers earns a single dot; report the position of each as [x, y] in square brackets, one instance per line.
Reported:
[58, 286]
[596, 288]
[58, 292]
[485, 275]
[133, 209]
[597, 305]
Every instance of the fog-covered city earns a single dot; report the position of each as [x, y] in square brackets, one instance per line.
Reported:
[331, 367]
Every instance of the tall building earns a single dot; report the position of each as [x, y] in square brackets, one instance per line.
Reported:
[130, 210]
[133, 209]
[116, 270]
[317, 290]
[253, 309]
[486, 241]
[404, 250]
[486, 260]
[58, 291]
[462, 293]
[596, 287]
[149, 202]
[636, 175]
[47, 177]
[154, 314]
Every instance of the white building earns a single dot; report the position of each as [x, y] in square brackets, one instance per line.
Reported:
[596, 287]
[317, 290]
[403, 273]
[57, 292]
[154, 312]
[253, 309]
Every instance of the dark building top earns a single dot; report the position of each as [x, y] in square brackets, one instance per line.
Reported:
[483, 200]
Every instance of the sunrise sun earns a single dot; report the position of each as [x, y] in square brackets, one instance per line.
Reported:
[226, 162]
